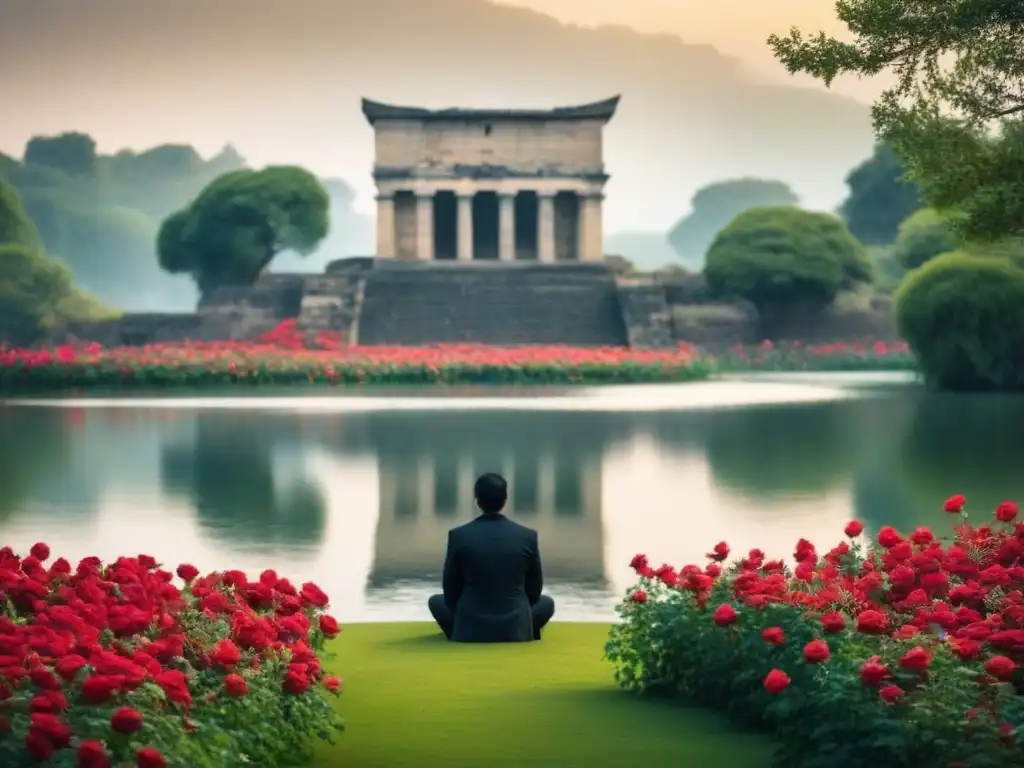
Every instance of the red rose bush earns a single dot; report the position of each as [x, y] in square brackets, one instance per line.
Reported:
[111, 665]
[287, 356]
[908, 651]
[855, 355]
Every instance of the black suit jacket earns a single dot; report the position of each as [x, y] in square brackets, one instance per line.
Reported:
[492, 576]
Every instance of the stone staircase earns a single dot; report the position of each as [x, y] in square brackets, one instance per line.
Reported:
[647, 315]
[491, 303]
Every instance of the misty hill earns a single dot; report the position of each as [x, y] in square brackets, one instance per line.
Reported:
[282, 81]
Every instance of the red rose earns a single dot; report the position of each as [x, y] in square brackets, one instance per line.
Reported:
[776, 681]
[872, 622]
[1000, 667]
[854, 528]
[329, 626]
[773, 636]
[331, 683]
[719, 553]
[954, 504]
[235, 685]
[296, 681]
[638, 563]
[891, 694]
[917, 659]
[126, 720]
[639, 596]
[68, 666]
[725, 615]
[225, 653]
[97, 689]
[833, 622]
[91, 754]
[39, 746]
[1005, 513]
[965, 648]
[187, 571]
[816, 651]
[872, 673]
[888, 537]
[150, 757]
[51, 727]
[40, 551]
[313, 595]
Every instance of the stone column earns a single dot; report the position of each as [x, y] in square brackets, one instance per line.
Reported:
[425, 226]
[465, 225]
[385, 226]
[506, 226]
[546, 226]
[591, 232]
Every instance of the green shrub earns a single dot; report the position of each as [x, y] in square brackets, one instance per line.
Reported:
[779, 255]
[923, 236]
[963, 317]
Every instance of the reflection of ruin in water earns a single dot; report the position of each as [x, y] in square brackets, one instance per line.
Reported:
[423, 496]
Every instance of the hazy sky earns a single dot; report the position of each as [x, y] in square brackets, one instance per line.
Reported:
[735, 27]
[282, 80]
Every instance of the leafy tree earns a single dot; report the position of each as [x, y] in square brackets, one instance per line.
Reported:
[73, 153]
[781, 255]
[963, 316]
[880, 197]
[36, 292]
[956, 113]
[716, 205]
[237, 225]
[16, 228]
[923, 236]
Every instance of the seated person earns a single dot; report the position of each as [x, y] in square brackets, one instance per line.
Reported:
[492, 576]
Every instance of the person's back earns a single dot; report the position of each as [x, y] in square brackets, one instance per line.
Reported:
[492, 576]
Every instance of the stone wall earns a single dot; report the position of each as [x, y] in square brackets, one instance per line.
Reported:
[526, 145]
[673, 309]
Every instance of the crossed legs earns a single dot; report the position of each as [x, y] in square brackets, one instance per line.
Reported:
[542, 612]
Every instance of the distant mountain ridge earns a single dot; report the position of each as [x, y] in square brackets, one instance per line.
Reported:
[282, 81]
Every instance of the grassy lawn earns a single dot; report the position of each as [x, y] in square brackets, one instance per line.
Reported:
[412, 699]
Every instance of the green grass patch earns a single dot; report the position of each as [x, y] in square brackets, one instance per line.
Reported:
[412, 699]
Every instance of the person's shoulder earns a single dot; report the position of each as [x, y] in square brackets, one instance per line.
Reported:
[459, 529]
[525, 530]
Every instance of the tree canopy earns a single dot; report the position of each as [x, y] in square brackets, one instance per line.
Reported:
[773, 256]
[923, 236]
[716, 205]
[103, 224]
[956, 113]
[879, 198]
[239, 222]
[36, 292]
[963, 315]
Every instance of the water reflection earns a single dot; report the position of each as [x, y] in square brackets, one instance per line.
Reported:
[247, 481]
[425, 482]
[362, 501]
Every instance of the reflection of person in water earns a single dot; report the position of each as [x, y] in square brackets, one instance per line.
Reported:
[492, 576]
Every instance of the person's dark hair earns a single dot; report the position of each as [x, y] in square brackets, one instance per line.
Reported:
[491, 492]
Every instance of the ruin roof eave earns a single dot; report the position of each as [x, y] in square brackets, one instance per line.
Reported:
[598, 110]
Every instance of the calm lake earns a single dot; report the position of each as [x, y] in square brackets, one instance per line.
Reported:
[357, 492]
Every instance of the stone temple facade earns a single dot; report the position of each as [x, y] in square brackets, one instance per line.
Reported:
[481, 184]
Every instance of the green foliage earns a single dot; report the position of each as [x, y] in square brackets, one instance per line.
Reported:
[775, 256]
[922, 237]
[236, 226]
[71, 153]
[16, 228]
[37, 294]
[715, 205]
[958, 65]
[879, 198]
[963, 317]
[887, 270]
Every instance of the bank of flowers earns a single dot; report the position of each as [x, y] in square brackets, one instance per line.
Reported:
[128, 664]
[856, 355]
[904, 651]
[284, 356]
